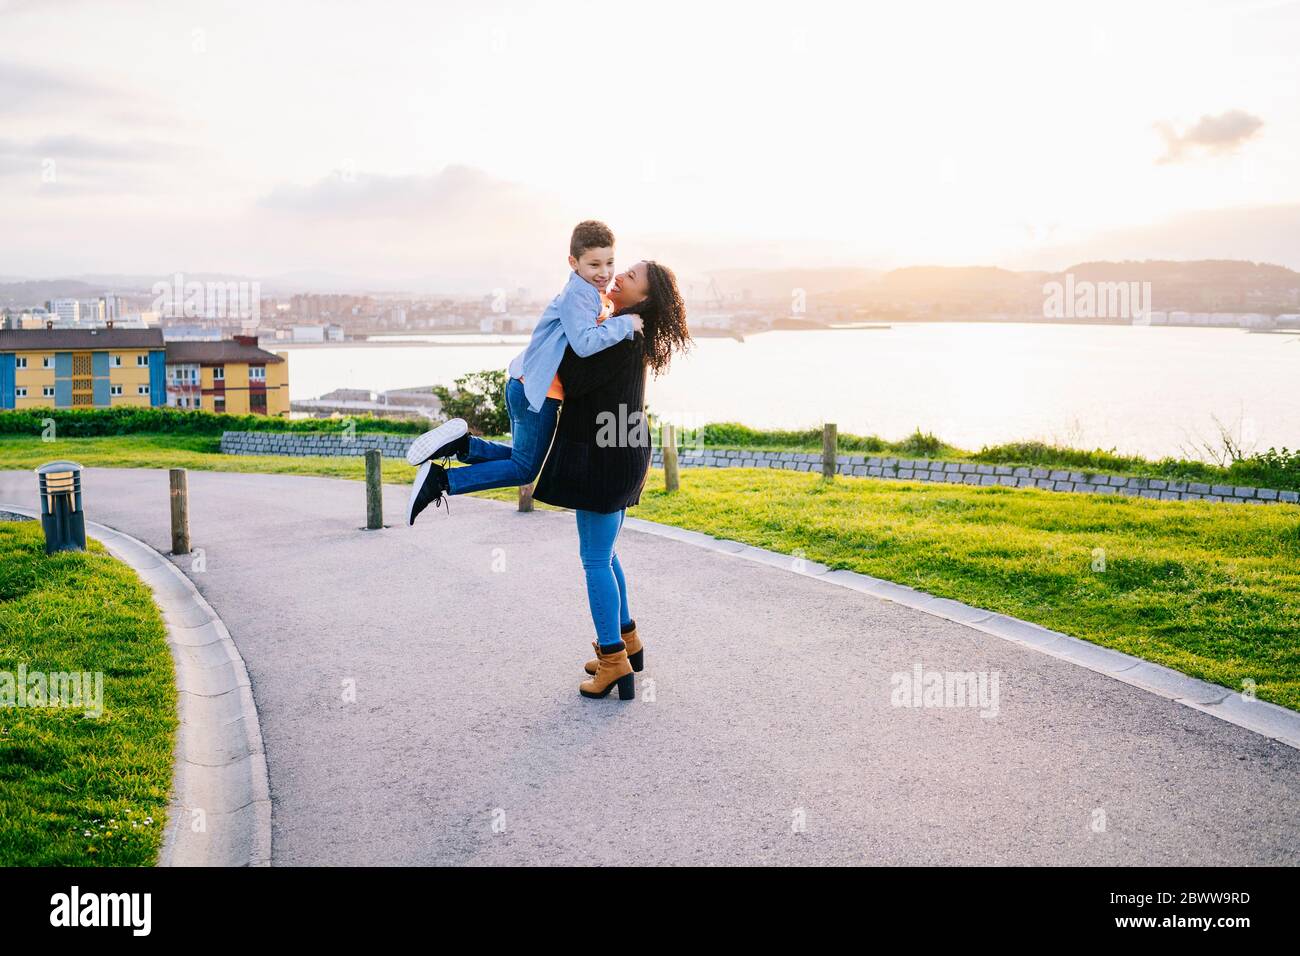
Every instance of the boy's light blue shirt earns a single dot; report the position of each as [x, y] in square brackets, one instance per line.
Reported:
[570, 319]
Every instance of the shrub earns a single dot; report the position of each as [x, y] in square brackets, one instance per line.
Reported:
[742, 436]
[924, 444]
[480, 399]
[1270, 469]
[100, 422]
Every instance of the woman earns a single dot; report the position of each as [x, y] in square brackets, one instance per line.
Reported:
[601, 453]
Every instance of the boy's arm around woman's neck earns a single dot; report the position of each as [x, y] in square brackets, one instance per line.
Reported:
[580, 306]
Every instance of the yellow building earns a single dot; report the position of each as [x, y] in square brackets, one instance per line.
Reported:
[108, 367]
[232, 376]
[81, 368]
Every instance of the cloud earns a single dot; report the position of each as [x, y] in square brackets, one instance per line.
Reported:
[1211, 134]
[459, 221]
[38, 95]
[1255, 233]
[79, 147]
[454, 193]
[31, 89]
[74, 165]
[13, 7]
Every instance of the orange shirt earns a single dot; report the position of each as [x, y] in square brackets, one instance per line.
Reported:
[557, 390]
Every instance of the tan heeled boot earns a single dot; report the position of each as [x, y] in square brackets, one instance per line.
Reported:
[612, 669]
[635, 651]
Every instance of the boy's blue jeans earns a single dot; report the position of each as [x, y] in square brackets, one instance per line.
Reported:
[493, 464]
[606, 586]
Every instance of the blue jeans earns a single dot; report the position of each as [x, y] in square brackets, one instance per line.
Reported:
[606, 586]
[494, 464]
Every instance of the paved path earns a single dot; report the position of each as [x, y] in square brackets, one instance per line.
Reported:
[766, 700]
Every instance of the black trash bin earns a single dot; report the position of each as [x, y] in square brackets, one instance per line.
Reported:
[61, 515]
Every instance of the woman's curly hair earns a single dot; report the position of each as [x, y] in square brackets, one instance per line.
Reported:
[663, 314]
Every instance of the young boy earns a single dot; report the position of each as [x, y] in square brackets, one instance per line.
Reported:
[533, 390]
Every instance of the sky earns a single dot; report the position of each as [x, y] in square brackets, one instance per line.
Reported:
[457, 143]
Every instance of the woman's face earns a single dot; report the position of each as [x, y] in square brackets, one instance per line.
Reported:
[630, 286]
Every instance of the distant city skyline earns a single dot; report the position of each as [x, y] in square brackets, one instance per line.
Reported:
[444, 145]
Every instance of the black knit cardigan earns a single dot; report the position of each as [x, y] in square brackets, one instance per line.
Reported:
[601, 452]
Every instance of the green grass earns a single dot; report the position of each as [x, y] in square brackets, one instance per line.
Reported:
[200, 453]
[1208, 589]
[1269, 469]
[78, 790]
[1272, 468]
[127, 420]
[734, 435]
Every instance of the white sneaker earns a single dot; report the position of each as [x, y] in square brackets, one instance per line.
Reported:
[432, 442]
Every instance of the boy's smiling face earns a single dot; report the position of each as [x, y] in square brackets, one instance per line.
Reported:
[595, 265]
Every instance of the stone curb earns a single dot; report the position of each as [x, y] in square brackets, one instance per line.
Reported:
[1261, 717]
[219, 766]
[933, 471]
